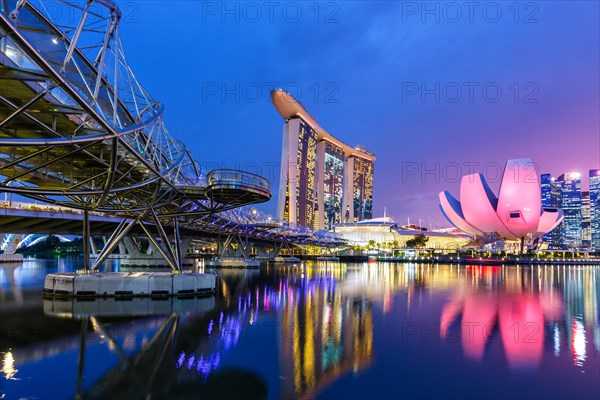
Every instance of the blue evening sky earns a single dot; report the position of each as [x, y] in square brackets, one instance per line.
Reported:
[432, 88]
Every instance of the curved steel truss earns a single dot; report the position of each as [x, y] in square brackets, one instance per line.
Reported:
[77, 129]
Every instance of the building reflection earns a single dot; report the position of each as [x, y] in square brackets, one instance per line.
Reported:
[321, 332]
[324, 316]
[523, 307]
[321, 318]
[8, 366]
[325, 333]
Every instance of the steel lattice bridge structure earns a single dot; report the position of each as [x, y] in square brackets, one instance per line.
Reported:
[78, 130]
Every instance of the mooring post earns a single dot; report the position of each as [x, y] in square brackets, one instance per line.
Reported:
[86, 241]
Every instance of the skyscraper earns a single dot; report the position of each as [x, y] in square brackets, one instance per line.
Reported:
[595, 208]
[586, 231]
[546, 186]
[323, 180]
[299, 192]
[571, 205]
[333, 181]
[551, 198]
[363, 189]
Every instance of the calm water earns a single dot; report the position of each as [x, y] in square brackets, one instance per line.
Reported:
[326, 331]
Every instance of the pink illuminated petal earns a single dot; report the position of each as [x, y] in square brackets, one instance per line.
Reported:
[479, 206]
[519, 201]
[549, 220]
[453, 212]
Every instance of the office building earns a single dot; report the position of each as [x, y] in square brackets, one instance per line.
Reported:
[581, 228]
[572, 231]
[586, 229]
[551, 198]
[595, 208]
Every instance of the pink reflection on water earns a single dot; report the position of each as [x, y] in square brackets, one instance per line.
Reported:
[518, 317]
[578, 342]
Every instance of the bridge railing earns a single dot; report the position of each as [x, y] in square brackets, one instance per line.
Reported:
[18, 205]
[232, 177]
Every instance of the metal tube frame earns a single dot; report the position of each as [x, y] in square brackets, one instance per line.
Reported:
[86, 241]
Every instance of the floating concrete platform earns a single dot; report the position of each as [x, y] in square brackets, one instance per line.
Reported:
[73, 308]
[11, 258]
[128, 284]
[232, 262]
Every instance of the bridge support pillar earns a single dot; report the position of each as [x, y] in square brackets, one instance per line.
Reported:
[269, 253]
[115, 240]
[235, 246]
[93, 247]
[159, 245]
[86, 241]
[151, 249]
[178, 252]
[131, 246]
[185, 245]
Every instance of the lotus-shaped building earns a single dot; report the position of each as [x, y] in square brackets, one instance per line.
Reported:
[516, 214]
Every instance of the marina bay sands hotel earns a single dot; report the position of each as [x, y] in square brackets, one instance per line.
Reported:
[323, 180]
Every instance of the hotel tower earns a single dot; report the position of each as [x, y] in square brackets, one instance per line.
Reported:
[323, 180]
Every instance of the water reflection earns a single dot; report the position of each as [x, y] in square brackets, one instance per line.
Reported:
[318, 332]
[487, 307]
[519, 305]
[332, 330]
[17, 279]
[325, 333]
[8, 366]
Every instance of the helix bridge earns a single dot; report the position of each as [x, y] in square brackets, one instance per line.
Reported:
[77, 129]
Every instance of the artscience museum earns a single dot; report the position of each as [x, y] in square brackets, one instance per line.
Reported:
[515, 214]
